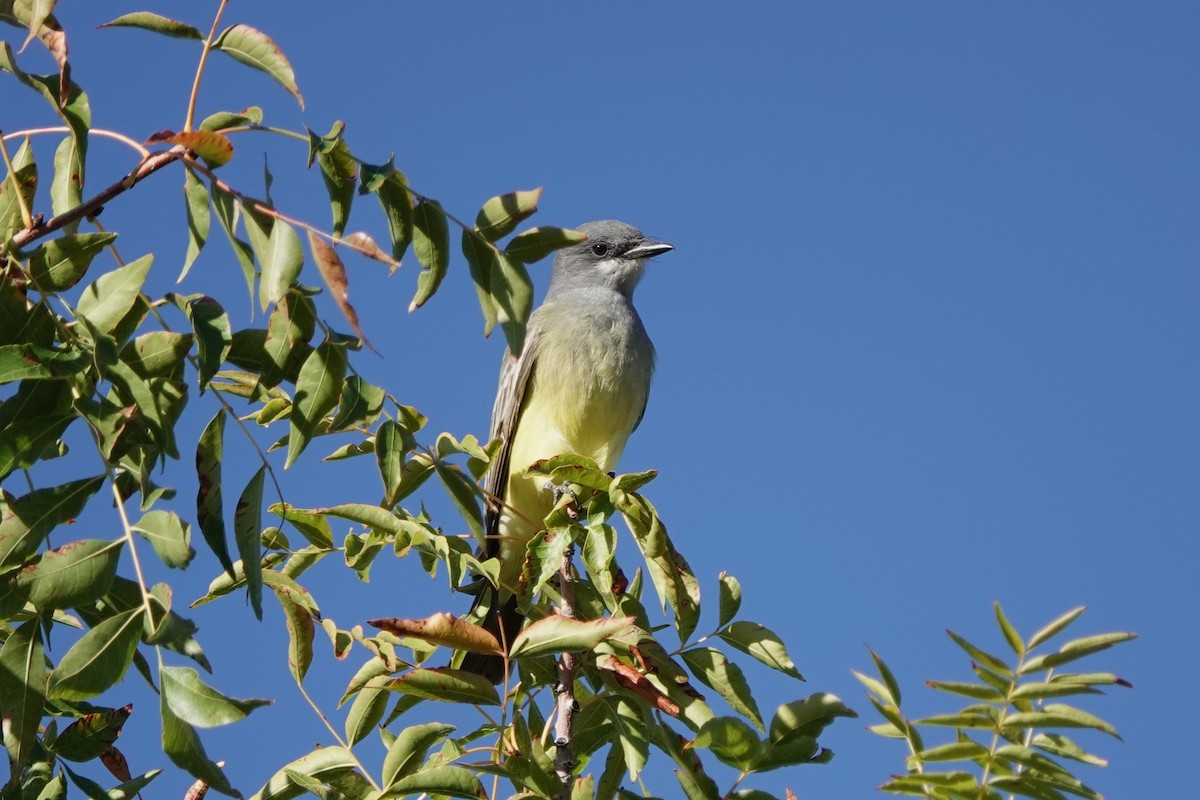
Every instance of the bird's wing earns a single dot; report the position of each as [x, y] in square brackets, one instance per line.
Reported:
[516, 373]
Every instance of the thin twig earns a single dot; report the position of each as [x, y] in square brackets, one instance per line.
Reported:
[120, 137]
[148, 166]
[191, 107]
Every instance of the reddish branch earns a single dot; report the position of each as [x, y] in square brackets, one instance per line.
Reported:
[151, 164]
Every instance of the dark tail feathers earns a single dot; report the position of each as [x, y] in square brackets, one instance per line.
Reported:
[504, 622]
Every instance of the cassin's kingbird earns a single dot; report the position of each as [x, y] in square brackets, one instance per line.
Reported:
[579, 385]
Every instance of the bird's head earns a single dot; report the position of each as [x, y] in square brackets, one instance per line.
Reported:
[613, 257]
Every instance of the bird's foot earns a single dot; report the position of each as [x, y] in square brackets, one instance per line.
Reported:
[561, 490]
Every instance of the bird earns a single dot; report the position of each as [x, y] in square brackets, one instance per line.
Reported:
[579, 385]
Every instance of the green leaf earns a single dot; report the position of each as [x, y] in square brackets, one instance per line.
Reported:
[390, 187]
[99, 659]
[199, 218]
[214, 337]
[281, 267]
[254, 48]
[106, 301]
[431, 244]
[1057, 715]
[22, 183]
[500, 215]
[71, 575]
[210, 513]
[31, 421]
[987, 659]
[559, 634]
[633, 731]
[447, 685]
[1055, 626]
[317, 389]
[973, 690]
[339, 171]
[730, 592]
[27, 521]
[312, 525]
[673, 578]
[247, 533]
[807, 717]
[955, 751]
[448, 780]
[198, 704]
[504, 289]
[731, 740]
[299, 626]
[329, 765]
[717, 672]
[169, 536]
[66, 189]
[368, 709]
[407, 752]
[222, 120]
[157, 23]
[22, 690]
[226, 207]
[59, 263]
[463, 492]
[391, 444]
[30, 362]
[1010, 633]
[157, 353]
[92, 734]
[182, 745]
[537, 243]
[360, 403]
[1074, 650]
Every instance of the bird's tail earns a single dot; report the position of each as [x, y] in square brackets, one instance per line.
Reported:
[503, 621]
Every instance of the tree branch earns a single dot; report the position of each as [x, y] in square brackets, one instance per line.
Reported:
[564, 726]
[148, 166]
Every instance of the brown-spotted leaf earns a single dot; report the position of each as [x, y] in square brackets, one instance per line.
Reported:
[442, 629]
[333, 271]
[213, 147]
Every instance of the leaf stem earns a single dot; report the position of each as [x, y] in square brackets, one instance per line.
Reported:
[191, 106]
[333, 732]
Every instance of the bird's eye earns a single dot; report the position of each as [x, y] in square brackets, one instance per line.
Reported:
[600, 249]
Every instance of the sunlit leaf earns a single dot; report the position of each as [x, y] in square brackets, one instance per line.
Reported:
[447, 685]
[22, 688]
[443, 629]
[106, 301]
[169, 535]
[157, 23]
[99, 659]
[197, 703]
[317, 390]
[59, 263]
[763, 644]
[500, 215]
[408, 750]
[339, 171]
[537, 243]
[256, 49]
[559, 634]
[448, 780]
[71, 575]
[182, 745]
[431, 244]
[717, 672]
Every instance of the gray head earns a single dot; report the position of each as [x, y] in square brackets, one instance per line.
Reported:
[613, 257]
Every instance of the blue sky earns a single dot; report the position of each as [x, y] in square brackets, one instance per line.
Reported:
[928, 339]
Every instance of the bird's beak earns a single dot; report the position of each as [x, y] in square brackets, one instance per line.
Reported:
[649, 250]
